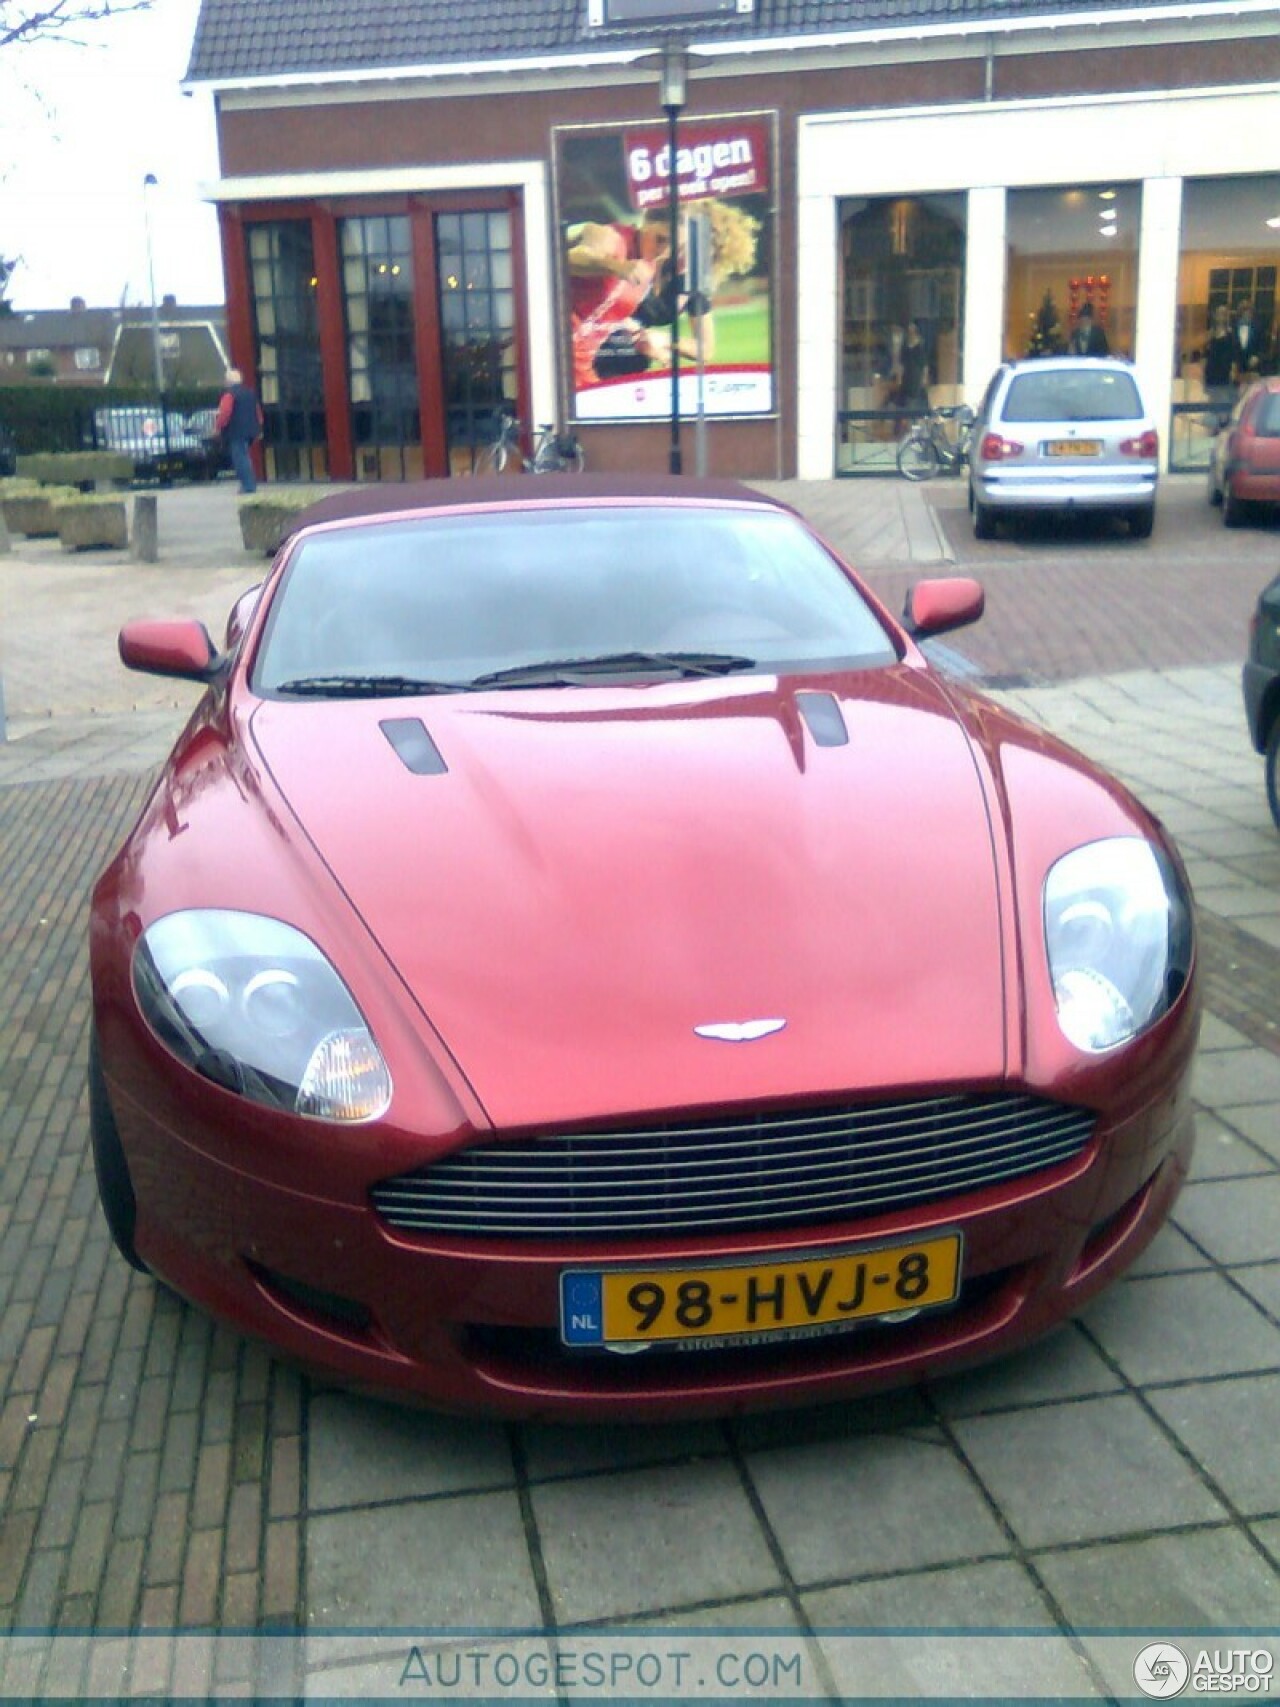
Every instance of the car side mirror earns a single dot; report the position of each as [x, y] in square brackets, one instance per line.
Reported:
[182, 649]
[936, 607]
[241, 612]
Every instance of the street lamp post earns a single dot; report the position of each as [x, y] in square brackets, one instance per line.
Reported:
[674, 89]
[148, 184]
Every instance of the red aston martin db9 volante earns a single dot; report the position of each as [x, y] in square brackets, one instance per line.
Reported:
[582, 960]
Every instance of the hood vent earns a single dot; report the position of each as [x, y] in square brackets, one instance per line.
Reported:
[823, 719]
[417, 751]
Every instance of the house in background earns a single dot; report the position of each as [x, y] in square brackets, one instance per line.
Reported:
[430, 211]
[113, 346]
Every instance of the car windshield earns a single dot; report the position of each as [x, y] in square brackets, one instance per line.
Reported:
[1073, 394]
[567, 595]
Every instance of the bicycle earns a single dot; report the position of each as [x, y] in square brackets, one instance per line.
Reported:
[554, 452]
[928, 447]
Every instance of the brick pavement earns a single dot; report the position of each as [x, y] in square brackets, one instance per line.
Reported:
[156, 1471]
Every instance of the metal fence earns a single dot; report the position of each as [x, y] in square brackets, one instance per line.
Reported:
[1192, 429]
[867, 441]
[165, 444]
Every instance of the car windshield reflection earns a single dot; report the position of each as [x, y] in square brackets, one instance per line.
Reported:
[571, 597]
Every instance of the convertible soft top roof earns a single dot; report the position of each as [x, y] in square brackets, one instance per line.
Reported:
[403, 497]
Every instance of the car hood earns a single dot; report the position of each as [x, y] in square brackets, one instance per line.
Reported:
[596, 872]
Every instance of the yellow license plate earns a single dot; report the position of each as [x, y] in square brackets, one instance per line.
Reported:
[646, 1305]
[1074, 447]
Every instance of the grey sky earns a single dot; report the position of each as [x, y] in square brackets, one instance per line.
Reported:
[80, 128]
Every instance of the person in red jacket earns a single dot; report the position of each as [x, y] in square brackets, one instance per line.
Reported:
[240, 420]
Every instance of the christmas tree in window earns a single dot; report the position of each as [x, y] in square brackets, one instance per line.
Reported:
[1046, 330]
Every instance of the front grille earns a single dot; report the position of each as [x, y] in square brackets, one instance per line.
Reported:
[778, 1169]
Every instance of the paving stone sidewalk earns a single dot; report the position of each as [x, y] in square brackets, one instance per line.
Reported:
[157, 1472]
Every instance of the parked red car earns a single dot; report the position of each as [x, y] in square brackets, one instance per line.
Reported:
[582, 960]
[1244, 469]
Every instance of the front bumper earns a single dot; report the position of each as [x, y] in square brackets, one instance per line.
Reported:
[473, 1326]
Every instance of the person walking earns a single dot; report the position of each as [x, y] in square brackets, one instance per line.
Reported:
[240, 420]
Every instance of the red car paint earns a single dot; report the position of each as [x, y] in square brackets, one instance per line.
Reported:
[532, 936]
[1251, 471]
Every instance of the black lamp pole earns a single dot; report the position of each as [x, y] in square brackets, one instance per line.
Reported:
[675, 71]
[157, 360]
[677, 463]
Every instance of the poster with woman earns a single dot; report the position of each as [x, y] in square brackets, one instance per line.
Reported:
[626, 297]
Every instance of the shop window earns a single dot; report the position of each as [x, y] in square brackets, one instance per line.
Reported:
[477, 327]
[1069, 247]
[902, 262]
[1227, 275]
[382, 369]
[287, 348]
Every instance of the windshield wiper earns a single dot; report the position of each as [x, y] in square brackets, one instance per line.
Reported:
[367, 687]
[568, 672]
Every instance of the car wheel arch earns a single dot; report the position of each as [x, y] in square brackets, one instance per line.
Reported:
[1272, 758]
[1235, 511]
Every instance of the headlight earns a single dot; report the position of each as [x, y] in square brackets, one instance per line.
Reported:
[1117, 925]
[253, 1005]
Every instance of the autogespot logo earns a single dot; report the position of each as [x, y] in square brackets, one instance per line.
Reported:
[1161, 1670]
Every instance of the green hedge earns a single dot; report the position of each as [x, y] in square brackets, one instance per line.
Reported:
[267, 516]
[76, 468]
[53, 417]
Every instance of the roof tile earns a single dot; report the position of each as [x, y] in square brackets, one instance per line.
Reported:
[268, 38]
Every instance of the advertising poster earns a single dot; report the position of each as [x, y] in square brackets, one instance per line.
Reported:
[624, 300]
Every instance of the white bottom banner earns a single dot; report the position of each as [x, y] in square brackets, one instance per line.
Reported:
[648, 1665]
[725, 391]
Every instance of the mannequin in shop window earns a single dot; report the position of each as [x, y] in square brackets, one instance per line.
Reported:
[1251, 352]
[1088, 338]
[912, 391]
[1220, 366]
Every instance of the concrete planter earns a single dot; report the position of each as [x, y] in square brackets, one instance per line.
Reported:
[91, 525]
[30, 514]
[265, 521]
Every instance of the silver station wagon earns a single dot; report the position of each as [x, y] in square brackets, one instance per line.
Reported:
[1063, 433]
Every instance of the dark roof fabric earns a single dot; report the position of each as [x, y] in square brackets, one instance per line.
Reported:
[266, 38]
[398, 498]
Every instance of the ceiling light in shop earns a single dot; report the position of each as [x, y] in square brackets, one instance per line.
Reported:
[1275, 223]
[1106, 195]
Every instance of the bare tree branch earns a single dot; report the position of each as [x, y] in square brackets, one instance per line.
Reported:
[58, 19]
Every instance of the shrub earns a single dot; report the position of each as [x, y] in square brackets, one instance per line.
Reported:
[76, 468]
[61, 417]
[265, 517]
